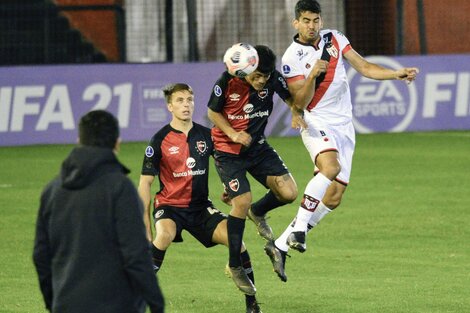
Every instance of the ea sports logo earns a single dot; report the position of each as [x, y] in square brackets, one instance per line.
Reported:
[248, 108]
[190, 162]
[382, 105]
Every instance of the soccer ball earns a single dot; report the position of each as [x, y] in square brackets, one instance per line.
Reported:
[241, 59]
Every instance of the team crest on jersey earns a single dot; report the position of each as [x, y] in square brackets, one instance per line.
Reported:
[307, 66]
[201, 146]
[159, 213]
[332, 50]
[234, 184]
[263, 93]
[149, 152]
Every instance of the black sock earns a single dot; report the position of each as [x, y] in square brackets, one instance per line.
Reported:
[267, 203]
[157, 257]
[246, 263]
[235, 228]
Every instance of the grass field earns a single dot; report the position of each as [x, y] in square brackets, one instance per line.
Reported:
[400, 241]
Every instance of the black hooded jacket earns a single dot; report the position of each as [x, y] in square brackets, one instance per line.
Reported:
[90, 250]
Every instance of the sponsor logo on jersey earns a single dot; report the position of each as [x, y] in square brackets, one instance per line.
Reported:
[234, 184]
[382, 105]
[283, 82]
[285, 69]
[248, 116]
[189, 173]
[190, 162]
[149, 152]
[201, 146]
[263, 93]
[234, 97]
[248, 108]
[217, 90]
[174, 150]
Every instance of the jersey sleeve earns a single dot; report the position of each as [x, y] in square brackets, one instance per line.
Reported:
[217, 98]
[343, 41]
[280, 86]
[291, 67]
[152, 157]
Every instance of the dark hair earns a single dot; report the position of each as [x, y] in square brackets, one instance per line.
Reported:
[170, 89]
[267, 59]
[98, 128]
[307, 5]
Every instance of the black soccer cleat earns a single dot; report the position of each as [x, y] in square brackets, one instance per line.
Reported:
[241, 279]
[264, 230]
[253, 307]
[278, 259]
[296, 240]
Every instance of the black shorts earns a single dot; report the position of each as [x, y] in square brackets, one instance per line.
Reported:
[261, 161]
[200, 222]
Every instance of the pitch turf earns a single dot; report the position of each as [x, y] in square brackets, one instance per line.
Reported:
[400, 242]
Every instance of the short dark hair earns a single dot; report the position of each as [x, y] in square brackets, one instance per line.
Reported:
[170, 89]
[98, 128]
[307, 5]
[267, 59]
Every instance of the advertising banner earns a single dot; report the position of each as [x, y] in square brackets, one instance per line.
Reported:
[42, 104]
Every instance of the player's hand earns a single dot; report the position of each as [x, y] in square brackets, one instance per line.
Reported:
[408, 74]
[298, 119]
[226, 198]
[321, 66]
[241, 137]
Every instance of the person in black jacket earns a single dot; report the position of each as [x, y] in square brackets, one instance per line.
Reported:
[90, 251]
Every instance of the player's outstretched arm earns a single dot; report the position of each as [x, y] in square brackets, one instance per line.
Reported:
[375, 71]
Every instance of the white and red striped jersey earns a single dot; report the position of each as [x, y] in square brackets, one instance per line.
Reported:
[331, 103]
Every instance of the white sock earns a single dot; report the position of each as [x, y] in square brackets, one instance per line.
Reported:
[314, 192]
[281, 242]
[318, 214]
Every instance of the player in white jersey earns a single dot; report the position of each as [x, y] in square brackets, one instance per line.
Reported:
[316, 77]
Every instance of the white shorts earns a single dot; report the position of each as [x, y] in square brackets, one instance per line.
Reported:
[321, 138]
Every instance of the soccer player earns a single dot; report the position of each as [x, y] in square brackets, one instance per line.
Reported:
[239, 109]
[316, 77]
[179, 155]
[90, 249]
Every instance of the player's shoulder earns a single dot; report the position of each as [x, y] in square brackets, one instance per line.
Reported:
[161, 134]
[335, 33]
[290, 52]
[201, 128]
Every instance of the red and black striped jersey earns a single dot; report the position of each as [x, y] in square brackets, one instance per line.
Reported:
[244, 107]
[182, 165]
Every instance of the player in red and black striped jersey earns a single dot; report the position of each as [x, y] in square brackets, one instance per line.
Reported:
[179, 155]
[240, 108]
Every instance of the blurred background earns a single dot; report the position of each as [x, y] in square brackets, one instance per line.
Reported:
[142, 31]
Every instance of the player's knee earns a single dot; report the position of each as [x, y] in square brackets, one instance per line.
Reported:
[289, 195]
[331, 170]
[164, 237]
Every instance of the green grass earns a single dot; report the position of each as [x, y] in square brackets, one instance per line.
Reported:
[400, 241]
